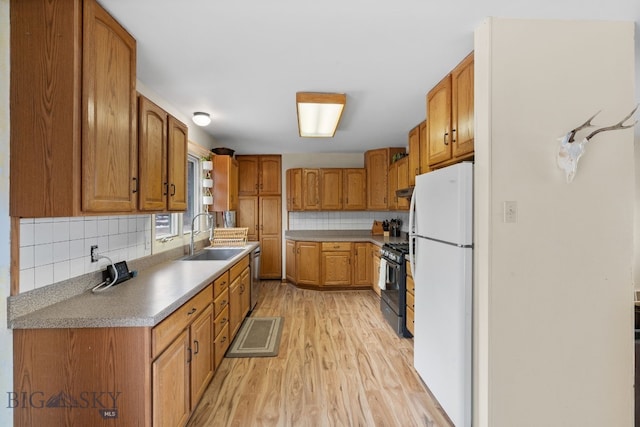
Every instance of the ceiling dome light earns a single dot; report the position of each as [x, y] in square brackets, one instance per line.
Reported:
[201, 119]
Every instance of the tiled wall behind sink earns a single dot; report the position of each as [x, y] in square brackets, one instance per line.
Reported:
[55, 249]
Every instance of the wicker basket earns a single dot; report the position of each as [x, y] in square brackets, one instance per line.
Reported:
[230, 236]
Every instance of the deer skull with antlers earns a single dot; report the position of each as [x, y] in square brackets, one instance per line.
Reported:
[570, 151]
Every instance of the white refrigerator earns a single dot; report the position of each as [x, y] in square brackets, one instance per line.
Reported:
[441, 253]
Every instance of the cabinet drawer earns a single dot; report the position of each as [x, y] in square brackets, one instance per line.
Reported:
[221, 302]
[220, 284]
[411, 287]
[336, 246]
[221, 322]
[410, 320]
[221, 344]
[164, 333]
[411, 301]
[238, 268]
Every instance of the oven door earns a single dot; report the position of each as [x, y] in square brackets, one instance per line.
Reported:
[392, 276]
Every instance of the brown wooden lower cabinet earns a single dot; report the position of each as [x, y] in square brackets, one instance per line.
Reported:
[130, 376]
[410, 300]
[375, 267]
[332, 264]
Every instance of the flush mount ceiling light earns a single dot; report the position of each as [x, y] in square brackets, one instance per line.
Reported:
[201, 119]
[319, 113]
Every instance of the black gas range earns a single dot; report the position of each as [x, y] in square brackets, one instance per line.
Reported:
[393, 298]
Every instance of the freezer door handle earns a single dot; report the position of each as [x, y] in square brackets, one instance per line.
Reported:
[412, 237]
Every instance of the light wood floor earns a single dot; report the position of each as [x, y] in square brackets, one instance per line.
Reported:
[340, 364]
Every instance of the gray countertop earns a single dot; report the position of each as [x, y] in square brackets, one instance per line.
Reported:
[341, 236]
[142, 301]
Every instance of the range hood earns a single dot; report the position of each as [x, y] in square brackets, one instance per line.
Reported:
[405, 192]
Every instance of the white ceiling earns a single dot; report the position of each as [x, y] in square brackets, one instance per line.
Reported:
[243, 61]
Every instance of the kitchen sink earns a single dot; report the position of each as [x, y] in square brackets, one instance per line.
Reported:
[214, 254]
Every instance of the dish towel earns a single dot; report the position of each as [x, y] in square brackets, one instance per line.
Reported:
[382, 277]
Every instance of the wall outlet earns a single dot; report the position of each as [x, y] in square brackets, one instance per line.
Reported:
[94, 253]
[510, 212]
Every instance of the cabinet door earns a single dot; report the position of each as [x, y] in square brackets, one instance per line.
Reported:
[152, 156]
[311, 189]
[245, 291]
[462, 107]
[336, 268]
[225, 185]
[377, 165]
[235, 307]
[270, 237]
[221, 344]
[109, 119]
[439, 123]
[177, 165]
[294, 189]
[202, 354]
[247, 175]
[424, 149]
[414, 154]
[247, 215]
[308, 263]
[290, 260]
[270, 183]
[271, 257]
[392, 186]
[171, 384]
[375, 270]
[360, 271]
[330, 189]
[233, 185]
[354, 189]
[403, 182]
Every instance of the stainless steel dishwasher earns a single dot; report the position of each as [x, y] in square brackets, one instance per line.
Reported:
[255, 276]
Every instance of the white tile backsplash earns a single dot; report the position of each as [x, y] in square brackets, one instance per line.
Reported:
[358, 220]
[56, 249]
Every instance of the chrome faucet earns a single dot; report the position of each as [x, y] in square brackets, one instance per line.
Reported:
[193, 221]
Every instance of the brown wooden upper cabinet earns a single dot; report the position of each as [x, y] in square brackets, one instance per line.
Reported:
[311, 189]
[83, 100]
[354, 189]
[377, 164]
[260, 175]
[450, 116]
[162, 160]
[225, 184]
[294, 189]
[418, 162]
[330, 189]
[326, 189]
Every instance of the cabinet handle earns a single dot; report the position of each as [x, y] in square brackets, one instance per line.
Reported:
[173, 189]
[444, 138]
[193, 310]
[241, 289]
[417, 171]
[453, 135]
[197, 344]
[256, 186]
[135, 184]
[190, 357]
[166, 188]
[223, 321]
[223, 339]
[256, 226]
[298, 250]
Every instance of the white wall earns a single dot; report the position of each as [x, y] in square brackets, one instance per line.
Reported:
[6, 340]
[553, 291]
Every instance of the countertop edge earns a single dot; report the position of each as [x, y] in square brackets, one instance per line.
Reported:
[47, 317]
